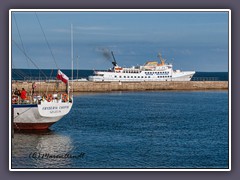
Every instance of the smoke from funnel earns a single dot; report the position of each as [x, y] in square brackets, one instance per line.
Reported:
[106, 53]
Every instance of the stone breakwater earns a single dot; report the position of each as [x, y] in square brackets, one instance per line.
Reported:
[123, 86]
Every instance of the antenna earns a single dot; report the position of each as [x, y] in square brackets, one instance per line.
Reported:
[160, 57]
[77, 66]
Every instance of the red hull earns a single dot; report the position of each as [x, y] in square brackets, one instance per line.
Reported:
[32, 126]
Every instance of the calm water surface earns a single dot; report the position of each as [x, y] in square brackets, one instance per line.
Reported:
[162, 129]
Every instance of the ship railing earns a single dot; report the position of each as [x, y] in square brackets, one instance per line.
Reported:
[17, 100]
[107, 70]
[32, 79]
[37, 98]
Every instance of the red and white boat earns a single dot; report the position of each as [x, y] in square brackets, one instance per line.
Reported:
[40, 112]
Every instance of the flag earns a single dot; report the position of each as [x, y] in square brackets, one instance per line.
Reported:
[62, 76]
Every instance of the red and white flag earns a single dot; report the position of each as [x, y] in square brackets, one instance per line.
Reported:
[62, 76]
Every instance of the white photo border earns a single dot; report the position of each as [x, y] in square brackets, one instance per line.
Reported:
[120, 10]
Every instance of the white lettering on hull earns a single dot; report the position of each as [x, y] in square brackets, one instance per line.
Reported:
[56, 109]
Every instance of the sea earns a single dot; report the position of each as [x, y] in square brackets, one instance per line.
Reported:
[45, 74]
[132, 130]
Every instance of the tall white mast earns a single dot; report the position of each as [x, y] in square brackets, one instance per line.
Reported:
[72, 53]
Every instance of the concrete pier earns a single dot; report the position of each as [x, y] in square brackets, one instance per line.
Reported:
[123, 86]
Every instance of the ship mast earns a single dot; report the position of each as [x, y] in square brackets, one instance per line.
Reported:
[161, 59]
[72, 54]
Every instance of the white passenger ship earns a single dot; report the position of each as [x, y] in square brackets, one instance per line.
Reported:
[151, 71]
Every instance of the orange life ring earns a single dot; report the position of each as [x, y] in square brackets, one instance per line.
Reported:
[64, 97]
[49, 97]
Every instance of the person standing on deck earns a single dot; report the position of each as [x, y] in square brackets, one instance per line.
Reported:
[33, 87]
[23, 94]
[17, 92]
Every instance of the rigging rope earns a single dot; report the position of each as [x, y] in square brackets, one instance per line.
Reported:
[48, 47]
[22, 113]
[29, 58]
[20, 37]
[46, 40]
[18, 72]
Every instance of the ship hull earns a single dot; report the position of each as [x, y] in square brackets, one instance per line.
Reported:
[141, 77]
[38, 117]
[32, 126]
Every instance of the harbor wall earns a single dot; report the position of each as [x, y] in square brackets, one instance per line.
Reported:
[123, 86]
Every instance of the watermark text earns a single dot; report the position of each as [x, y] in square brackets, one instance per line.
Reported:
[38, 155]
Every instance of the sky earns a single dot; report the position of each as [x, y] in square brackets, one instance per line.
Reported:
[189, 40]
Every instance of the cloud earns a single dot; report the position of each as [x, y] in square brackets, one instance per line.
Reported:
[61, 30]
[182, 51]
[86, 28]
[101, 31]
[92, 28]
[220, 50]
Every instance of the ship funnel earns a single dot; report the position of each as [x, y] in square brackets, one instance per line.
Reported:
[114, 60]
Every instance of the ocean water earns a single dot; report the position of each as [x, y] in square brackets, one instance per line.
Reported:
[29, 74]
[154, 129]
